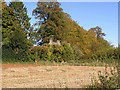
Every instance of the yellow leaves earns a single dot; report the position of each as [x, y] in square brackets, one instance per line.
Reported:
[87, 51]
[86, 42]
[21, 26]
[3, 4]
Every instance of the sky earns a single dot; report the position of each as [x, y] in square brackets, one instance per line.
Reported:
[89, 15]
[119, 24]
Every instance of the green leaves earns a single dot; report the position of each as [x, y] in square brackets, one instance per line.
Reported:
[14, 16]
[50, 18]
[15, 26]
[56, 53]
[108, 80]
[52, 21]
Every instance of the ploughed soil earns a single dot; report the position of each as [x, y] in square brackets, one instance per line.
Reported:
[39, 76]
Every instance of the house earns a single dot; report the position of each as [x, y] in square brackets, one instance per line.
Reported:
[53, 43]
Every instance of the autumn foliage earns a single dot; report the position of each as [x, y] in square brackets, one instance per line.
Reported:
[77, 43]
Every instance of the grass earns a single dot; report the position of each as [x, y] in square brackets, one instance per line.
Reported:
[48, 70]
[70, 63]
[62, 70]
[4, 68]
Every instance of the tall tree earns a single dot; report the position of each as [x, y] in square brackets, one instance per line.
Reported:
[20, 15]
[13, 16]
[53, 21]
[98, 32]
[49, 15]
[6, 26]
[15, 26]
[2, 5]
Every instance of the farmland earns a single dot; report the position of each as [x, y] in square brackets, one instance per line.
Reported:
[41, 76]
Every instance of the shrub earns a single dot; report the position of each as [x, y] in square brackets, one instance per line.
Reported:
[35, 53]
[52, 52]
[7, 52]
[68, 53]
[58, 52]
[85, 57]
[107, 80]
[10, 55]
[76, 53]
[105, 53]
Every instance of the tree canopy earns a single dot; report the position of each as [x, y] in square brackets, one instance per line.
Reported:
[53, 22]
[15, 26]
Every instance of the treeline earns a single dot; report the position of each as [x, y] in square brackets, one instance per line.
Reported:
[19, 37]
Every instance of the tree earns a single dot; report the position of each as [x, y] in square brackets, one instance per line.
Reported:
[20, 15]
[15, 26]
[31, 34]
[13, 16]
[2, 5]
[6, 26]
[98, 32]
[50, 17]
[54, 22]
[44, 10]
[18, 41]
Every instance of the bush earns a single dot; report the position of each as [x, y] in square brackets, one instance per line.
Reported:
[55, 53]
[58, 52]
[107, 80]
[68, 52]
[10, 55]
[7, 52]
[35, 52]
[77, 53]
[105, 53]
[85, 57]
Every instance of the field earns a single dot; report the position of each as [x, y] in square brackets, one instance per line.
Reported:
[56, 51]
[42, 76]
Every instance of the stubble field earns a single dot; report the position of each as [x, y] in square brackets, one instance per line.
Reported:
[39, 76]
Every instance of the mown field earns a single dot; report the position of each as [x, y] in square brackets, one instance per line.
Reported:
[36, 76]
[49, 75]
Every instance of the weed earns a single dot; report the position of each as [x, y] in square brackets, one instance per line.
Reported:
[62, 70]
[48, 70]
[4, 68]
[106, 80]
